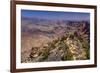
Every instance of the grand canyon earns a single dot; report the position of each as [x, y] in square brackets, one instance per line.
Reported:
[46, 40]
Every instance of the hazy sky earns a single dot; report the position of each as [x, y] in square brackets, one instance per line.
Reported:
[55, 15]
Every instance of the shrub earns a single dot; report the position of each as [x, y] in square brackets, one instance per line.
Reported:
[45, 54]
[67, 55]
[51, 45]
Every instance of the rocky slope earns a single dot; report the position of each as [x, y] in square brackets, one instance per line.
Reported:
[67, 47]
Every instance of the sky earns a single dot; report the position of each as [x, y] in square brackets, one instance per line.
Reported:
[53, 15]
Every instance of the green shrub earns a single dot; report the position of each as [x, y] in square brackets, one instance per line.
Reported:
[51, 45]
[67, 55]
[63, 46]
[45, 54]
